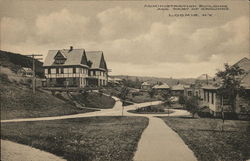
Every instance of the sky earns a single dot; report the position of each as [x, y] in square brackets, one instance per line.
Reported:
[136, 40]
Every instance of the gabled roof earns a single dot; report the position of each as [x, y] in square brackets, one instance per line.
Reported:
[60, 54]
[73, 57]
[27, 69]
[178, 87]
[145, 84]
[244, 63]
[163, 86]
[97, 59]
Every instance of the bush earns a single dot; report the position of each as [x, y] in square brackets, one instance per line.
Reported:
[192, 105]
[150, 109]
[182, 100]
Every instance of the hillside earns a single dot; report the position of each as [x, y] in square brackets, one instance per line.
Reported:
[169, 81]
[18, 101]
[14, 61]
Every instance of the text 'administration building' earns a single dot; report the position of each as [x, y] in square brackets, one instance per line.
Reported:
[75, 68]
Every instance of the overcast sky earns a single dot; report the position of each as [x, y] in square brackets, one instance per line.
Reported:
[135, 40]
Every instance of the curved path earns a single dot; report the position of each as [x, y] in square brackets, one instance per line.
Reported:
[158, 141]
[11, 151]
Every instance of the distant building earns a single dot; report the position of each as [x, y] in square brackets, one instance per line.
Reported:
[25, 72]
[114, 80]
[161, 88]
[75, 68]
[177, 90]
[145, 86]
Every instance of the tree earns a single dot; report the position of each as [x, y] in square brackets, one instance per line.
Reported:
[151, 93]
[182, 100]
[167, 101]
[123, 95]
[192, 105]
[231, 84]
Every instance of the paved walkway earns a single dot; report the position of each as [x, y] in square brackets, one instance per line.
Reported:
[115, 111]
[11, 151]
[158, 141]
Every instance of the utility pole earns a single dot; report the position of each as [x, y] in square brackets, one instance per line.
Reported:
[34, 70]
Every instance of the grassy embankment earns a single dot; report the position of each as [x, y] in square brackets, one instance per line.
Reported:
[18, 101]
[207, 140]
[94, 100]
[88, 139]
[140, 97]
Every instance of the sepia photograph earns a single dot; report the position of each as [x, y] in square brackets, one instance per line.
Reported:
[125, 80]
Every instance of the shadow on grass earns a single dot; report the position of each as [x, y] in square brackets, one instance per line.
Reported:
[181, 117]
[221, 131]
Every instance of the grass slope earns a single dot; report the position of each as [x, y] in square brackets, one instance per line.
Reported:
[82, 139]
[209, 143]
[93, 99]
[14, 61]
[18, 101]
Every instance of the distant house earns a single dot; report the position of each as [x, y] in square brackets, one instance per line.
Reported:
[75, 68]
[25, 72]
[194, 90]
[177, 90]
[114, 80]
[161, 88]
[145, 86]
[215, 101]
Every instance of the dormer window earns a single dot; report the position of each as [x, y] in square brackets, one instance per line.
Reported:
[59, 58]
[58, 61]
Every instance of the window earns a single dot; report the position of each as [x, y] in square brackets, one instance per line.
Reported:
[49, 71]
[57, 70]
[59, 61]
[62, 70]
[212, 98]
[189, 93]
[205, 95]
[208, 96]
[94, 73]
[74, 70]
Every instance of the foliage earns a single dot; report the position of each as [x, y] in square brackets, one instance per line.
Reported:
[192, 105]
[151, 93]
[166, 98]
[123, 93]
[131, 83]
[155, 109]
[182, 100]
[231, 83]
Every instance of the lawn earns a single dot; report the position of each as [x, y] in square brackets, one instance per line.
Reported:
[209, 143]
[81, 139]
[18, 101]
[94, 99]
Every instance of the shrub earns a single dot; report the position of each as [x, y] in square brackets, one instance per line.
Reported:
[192, 105]
[182, 100]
